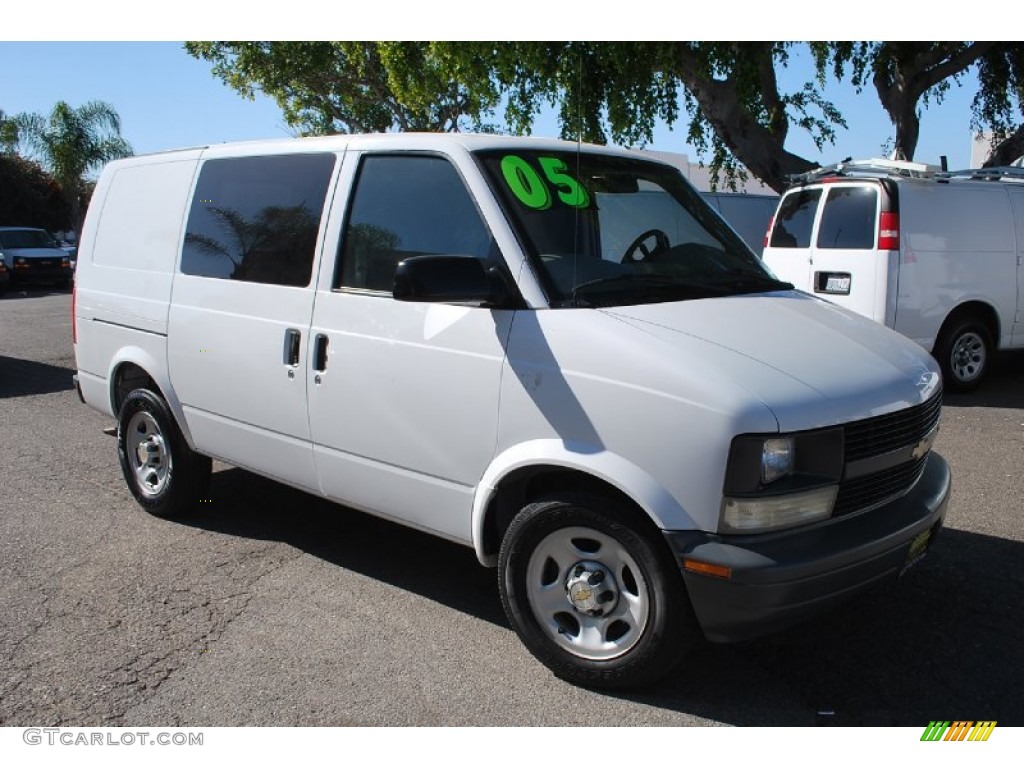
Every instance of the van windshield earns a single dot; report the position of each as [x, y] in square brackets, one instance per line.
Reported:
[605, 231]
[26, 238]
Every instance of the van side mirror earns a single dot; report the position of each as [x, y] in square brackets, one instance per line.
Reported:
[444, 278]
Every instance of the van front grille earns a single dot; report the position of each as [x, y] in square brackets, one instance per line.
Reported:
[877, 488]
[880, 435]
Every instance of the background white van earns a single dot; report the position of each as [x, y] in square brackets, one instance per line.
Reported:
[935, 256]
[749, 215]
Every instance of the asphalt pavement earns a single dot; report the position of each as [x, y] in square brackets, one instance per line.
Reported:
[273, 607]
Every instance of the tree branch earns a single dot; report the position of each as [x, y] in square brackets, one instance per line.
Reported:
[933, 75]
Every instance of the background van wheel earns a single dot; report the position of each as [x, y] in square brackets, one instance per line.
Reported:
[964, 352]
[593, 594]
[166, 477]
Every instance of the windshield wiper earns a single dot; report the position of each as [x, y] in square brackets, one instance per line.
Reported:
[652, 286]
[743, 279]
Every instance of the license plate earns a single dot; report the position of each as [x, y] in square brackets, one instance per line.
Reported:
[918, 549]
[45, 263]
[837, 284]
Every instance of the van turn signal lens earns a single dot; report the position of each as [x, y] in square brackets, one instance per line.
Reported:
[708, 569]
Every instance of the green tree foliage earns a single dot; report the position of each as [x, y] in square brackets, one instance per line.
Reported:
[348, 87]
[8, 135]
[72, 142]
[29, 197]
[907, 76]
[728, 93]
[998, 105]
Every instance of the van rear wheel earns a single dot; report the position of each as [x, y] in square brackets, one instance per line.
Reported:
[166, 477]
[593, 595]
[964, 352]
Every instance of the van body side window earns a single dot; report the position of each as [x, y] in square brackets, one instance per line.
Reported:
[256, 219]
[795, 219]
[848, 220]
[407, 205]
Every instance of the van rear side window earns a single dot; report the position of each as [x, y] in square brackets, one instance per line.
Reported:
[848, 220]
[256, 219]
[795, 219]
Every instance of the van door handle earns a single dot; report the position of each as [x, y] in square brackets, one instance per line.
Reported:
[320, 353]
[292, 343]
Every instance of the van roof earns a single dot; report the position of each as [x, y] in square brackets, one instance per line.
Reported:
[409, 140]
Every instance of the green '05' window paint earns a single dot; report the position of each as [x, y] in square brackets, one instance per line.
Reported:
[532, 191]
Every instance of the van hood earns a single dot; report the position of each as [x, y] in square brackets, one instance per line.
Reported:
[848, 367]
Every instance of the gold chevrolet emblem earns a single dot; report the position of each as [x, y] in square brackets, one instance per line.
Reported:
[581, 593]
[925, 445]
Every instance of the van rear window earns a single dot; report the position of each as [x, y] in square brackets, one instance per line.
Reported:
[795, 219]
[848, 220]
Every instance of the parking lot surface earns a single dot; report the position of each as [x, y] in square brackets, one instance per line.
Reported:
[273, 607]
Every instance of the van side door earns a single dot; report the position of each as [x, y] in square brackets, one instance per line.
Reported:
[403, 396]
[241, 306]
[788, 253]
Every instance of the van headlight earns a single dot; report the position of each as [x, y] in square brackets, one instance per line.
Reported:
[780, 481]
[776, 459]
[770, 513]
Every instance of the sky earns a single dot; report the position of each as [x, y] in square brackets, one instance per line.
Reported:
[167, 99]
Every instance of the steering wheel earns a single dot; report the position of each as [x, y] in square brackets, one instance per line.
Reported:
[661, 243]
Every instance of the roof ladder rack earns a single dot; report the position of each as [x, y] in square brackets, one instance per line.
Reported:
[875, 166]
[1000, 173]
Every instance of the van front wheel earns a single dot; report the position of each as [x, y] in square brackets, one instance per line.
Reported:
[166, 477]
[593, 594]
[964, 352]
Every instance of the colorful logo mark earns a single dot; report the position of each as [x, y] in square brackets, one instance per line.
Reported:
[958, 730]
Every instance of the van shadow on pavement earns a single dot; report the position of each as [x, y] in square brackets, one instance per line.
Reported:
[19, 378]
[944, 643]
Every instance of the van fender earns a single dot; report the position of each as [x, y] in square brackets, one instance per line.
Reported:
[157, 371]
[982, 305]
[652, 497]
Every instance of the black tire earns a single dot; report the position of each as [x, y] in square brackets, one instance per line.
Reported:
[166, 477]
[964, 352]
[624, 648]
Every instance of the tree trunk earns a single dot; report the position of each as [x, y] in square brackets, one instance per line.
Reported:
[760, 152]
[1006, 151]
[77, 213]
[905, 72]
[760, 148]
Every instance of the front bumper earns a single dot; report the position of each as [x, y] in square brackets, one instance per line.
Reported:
[779, 579]
[41, 271]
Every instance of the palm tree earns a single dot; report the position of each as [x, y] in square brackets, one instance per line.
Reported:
[72, 142]
[8, 134]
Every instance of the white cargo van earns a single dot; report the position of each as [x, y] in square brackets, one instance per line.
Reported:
[936, 256]
[555, 354]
